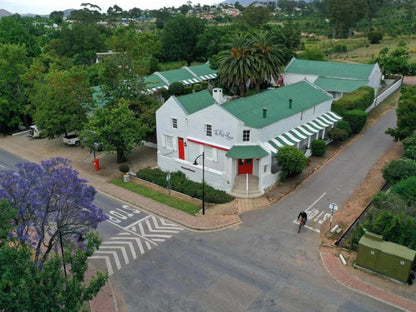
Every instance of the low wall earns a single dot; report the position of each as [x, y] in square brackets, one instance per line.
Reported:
[386, 93]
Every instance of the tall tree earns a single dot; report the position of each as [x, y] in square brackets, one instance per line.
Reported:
[13, 100]
[180, 37]
[117, 128]
[255, 16]
[51, 201]
[268, 57]
[237, 64]
[62, 101]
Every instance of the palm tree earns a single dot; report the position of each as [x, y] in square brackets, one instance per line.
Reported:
[237, 64]
[267, 55]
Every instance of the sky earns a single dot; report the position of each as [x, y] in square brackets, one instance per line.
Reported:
[45, 7]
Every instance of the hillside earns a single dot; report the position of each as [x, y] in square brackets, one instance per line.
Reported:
[4, 13]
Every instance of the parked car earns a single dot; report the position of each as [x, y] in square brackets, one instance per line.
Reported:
[34, 132]
[72, 139]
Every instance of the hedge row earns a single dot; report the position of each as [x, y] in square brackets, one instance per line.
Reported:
[181, 184]
[361, 99]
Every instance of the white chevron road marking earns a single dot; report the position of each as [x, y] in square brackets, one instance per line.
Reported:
[115, 256]
[132, 250]
[121, 248]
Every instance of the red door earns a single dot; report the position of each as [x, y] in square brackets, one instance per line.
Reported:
[181, 148]
[245, 166]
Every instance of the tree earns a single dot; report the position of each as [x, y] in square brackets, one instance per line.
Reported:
[87, 15]
[398, 170]
[314, 53]
[57, 17]
[117, 129]
[62, 101]
[406, 114]
[267, 57]
[27, 286]
[13, 100]
[50, 200]
[337, 134]
[180, 37]
[396, 61]
[406, 188]
[409, 146]
[237, 64]
[255, 16]
[318, 148]
[292, 161]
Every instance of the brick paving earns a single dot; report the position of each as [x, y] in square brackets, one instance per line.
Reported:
[336, 270]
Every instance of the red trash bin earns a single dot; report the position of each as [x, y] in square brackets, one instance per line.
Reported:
[96, 164]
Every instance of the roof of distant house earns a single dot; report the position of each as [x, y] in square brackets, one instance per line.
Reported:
[196, 101]
[330, 69]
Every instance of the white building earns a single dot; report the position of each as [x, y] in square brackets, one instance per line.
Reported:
[240, 138]
[334, 77]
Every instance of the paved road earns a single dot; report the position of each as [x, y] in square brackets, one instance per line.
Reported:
[261, 265]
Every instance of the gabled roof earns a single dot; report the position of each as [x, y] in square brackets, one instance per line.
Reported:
[330, 69]
[339, 85]
[181, 75]
[204, 72]
[196, 101]
[154, 82]
[250, 109]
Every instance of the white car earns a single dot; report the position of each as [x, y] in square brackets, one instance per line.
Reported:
[72, 139]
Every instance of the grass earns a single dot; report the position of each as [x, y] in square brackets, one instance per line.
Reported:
[159, 197]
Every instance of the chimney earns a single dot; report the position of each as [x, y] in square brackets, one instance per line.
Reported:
[264, 112]
[290, 103]
[217, 95]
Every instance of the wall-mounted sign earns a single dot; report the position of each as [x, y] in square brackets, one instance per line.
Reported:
[225, 134]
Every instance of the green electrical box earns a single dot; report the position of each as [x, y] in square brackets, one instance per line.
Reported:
[387, 258]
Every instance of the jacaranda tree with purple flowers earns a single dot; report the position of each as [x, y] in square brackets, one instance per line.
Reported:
[50, 200]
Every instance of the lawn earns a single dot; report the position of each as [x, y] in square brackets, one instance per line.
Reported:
[159, 197]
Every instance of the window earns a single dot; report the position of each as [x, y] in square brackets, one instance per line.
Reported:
[208, 130]
[174, 123]
[169, 141]
[246, 135]
[211, 153]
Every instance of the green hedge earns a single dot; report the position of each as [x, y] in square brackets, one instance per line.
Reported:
[181, 184]
[361, 99]
[344, 125]
[356, 118]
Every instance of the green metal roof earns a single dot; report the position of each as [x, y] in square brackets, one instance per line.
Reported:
[339, 85]
[154, 82]
[250, 109]
[388, 247]
[203, 71]
[246, 152]
[330, 69]
[196, 101]
[182, 75]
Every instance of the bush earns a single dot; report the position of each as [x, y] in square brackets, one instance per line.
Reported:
[409, 146]
[361, 99]
[337, 134]
[344, 125]
[357, 119]
[181, 184]
[292, 160]
[339, 48]
[165, 93]
[176, 88]
[318, 148]
[124, 168]
[188, 90]
[406, 189]
[197, 87]
[375, 36]
[204, 85]
[398, 170]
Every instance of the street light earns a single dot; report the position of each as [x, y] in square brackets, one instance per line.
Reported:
[203, 179]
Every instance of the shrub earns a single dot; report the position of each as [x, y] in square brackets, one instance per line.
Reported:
[361, 99]
[292, 160]
[357, 119]
[318, 148]
[406, 189]
[337, 134]
[176, 88]
[165, 93]
[409, 146]
[339, 48]
[344, 125]
[187, 90]
[124, 168]
[197, 87]
[181, 184]
[204, 85]
[398, 170]
[375, 36]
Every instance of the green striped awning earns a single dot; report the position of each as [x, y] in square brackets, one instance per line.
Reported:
[246, 152]
[302, 132]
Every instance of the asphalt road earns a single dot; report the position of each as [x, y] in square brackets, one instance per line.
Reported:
[263, 264]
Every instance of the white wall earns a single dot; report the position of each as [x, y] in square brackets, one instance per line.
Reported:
[290, 78]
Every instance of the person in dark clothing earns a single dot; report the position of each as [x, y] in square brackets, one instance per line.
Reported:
[303, 217]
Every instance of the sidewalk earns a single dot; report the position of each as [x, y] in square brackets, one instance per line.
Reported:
[106, 301]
